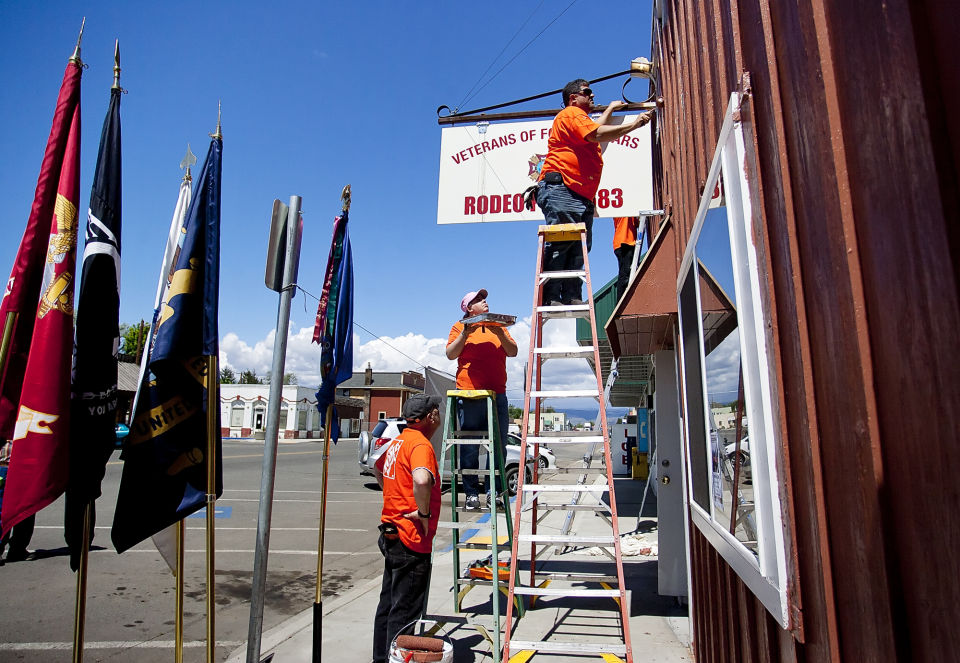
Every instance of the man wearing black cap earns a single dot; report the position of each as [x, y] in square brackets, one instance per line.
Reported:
[408, 473]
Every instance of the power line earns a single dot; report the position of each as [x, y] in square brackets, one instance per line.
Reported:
[375, 336]
[467, 97]
[527, 45]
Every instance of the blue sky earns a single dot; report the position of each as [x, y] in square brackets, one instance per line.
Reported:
[315, 96]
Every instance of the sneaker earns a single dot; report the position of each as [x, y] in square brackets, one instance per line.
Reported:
[473, 503]
[576, 302]
[554, 302]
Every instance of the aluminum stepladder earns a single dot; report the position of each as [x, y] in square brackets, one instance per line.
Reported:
[488, 439]
[617, 647]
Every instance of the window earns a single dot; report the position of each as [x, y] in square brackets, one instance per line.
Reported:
[282, 425]
[734, 488]
[381, 415]
[236, 414]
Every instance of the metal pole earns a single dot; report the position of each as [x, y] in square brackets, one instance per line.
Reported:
[178, 628]
[270, 438]
[80, 613]
[213, 436]
[318, 599]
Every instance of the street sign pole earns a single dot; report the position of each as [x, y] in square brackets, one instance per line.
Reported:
[281, 228]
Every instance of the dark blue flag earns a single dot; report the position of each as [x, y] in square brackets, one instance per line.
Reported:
[165, 455]
[334, 325]
[93, 404]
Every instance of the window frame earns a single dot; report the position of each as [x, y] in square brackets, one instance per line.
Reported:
[765, 573]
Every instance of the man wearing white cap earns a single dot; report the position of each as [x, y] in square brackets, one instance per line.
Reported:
[481, 351]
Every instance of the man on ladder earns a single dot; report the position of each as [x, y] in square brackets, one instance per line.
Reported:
[570, 178]
[481, 352]
[569, 181]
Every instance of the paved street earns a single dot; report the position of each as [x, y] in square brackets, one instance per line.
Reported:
[130, 597]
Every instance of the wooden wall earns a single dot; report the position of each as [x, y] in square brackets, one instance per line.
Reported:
[855, 107]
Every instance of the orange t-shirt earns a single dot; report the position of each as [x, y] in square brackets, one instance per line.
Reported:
[579, 161]
[483, 362]
[407, 452]
[624, 230]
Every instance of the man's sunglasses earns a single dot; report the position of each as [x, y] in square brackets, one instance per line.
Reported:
[586, 92]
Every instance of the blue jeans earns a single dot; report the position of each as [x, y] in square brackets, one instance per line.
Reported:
[472, 415]
[561, 205]
[406, 578]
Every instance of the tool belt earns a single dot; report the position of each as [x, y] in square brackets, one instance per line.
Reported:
[389, 531]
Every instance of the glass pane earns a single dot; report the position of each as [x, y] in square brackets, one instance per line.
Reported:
[236, 417]
[731, 487]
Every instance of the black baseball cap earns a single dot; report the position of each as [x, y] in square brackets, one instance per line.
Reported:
[420, 405]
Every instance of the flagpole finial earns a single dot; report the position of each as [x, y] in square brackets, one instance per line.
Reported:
[188, 160]
[75, 58]
[116, 66]
[217, 134]
[345, 198]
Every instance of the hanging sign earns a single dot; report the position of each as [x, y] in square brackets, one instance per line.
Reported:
[485, 168]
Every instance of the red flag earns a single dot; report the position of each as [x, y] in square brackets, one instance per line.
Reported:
[38, 302]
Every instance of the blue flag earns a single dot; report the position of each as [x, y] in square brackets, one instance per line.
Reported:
[334, 325]
[165, 455]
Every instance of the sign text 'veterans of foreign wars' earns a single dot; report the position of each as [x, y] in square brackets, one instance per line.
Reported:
[485, 168]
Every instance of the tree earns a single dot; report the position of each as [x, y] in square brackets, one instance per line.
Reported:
[249, 377]
[289, 378]
[227, 376]
[514, 412]
[133, 338]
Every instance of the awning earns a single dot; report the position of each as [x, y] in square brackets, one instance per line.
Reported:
[642, 322]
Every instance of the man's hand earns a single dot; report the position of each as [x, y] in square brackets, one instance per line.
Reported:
[418, 522]
[616, 104]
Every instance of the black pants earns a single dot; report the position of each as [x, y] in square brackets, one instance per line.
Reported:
[406, 577]
[19, 537]
[624, 254]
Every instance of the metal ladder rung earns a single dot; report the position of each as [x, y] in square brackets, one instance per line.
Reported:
[571, 439]
[591, 471]
[562, 274]
[558, 488]
[569, 311]
[561, 591]
[482, 546]
[577, 577]
[573, 507]
[577, 352]
[450, 524]
[478, 582]
[565, 393]
[450, 441]
[554, 539]
[619, 649]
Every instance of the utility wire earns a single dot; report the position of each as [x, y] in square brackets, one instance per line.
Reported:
[467, 97]
[379, 338]
[537, 36]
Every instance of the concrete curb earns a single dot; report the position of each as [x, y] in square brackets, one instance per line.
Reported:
[293, 626]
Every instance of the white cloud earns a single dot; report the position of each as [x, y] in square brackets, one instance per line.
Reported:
[412, 351]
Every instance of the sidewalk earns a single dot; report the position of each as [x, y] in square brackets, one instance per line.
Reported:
[659, 627]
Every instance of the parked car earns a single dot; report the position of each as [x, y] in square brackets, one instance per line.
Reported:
[384, 431]
[122, 431]
[547, 459]
[730, 450]
[387, 429]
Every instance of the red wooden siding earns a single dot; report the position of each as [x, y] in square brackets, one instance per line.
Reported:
[854, 111]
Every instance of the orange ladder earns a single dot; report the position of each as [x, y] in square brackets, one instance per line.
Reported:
[533, 497]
